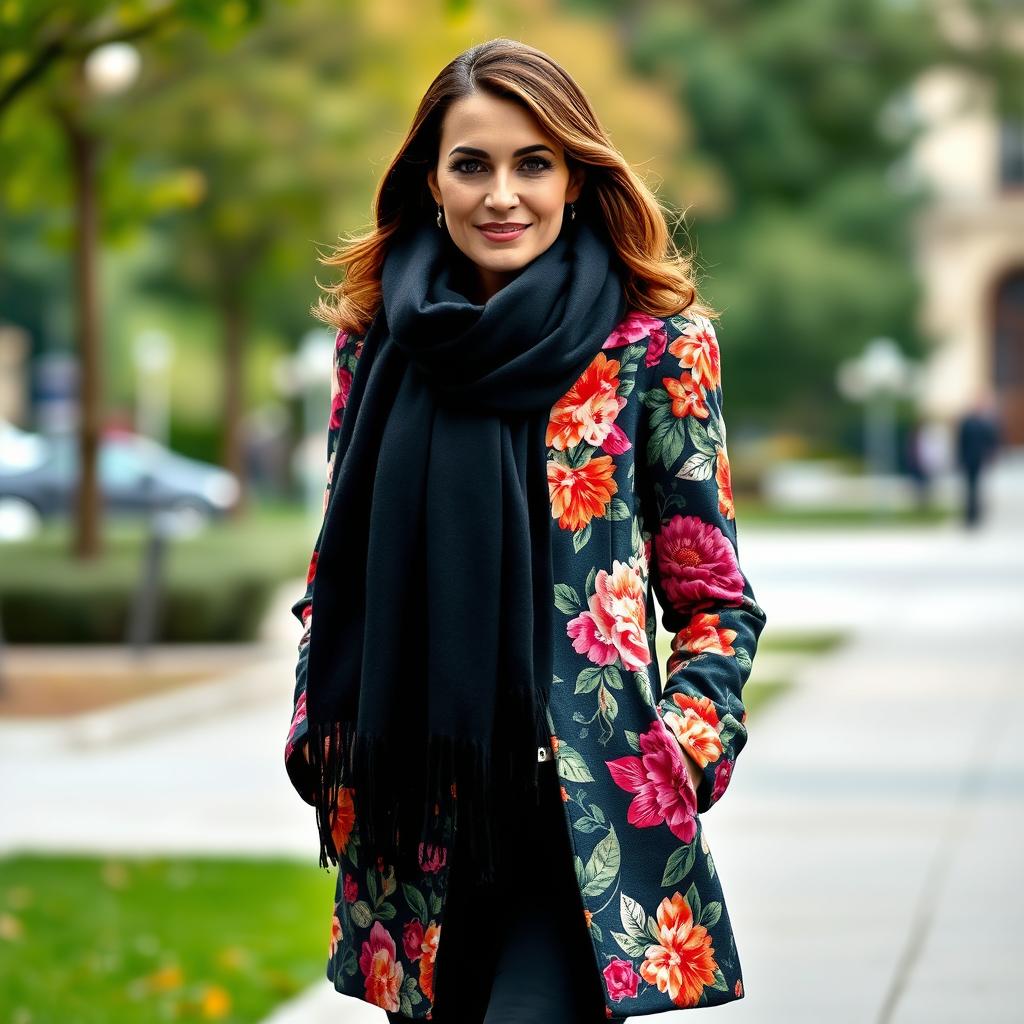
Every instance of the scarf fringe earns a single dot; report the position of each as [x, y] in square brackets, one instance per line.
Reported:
[454, 798]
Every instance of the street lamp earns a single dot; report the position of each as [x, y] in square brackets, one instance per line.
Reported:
[153, 352]
[307, 374]
[877, 377]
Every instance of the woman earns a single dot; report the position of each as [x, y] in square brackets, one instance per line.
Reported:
[526, 443]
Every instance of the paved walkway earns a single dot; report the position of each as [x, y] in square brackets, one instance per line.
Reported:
[868, 846]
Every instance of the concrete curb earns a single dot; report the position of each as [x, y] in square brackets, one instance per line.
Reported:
[243, 687]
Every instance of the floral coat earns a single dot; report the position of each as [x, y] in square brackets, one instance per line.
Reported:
[642, 505]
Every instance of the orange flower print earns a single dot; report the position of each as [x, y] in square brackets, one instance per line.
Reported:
[696, 728]
[579, 493]
[382, 971]
[687, 397]
[335, 933]
[588, 917]
[697, 348]
[684, 962]
[723, 478]
[421, 945]
[703, 634]
[588, 409]
[344, 819]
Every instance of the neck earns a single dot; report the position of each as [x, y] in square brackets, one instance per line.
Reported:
[477, 283]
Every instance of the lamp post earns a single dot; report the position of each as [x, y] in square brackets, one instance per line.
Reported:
[877, 377]
[153, 353]
[106, 70]
[307, 374]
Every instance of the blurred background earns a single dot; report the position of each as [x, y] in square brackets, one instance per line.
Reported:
[850, 174]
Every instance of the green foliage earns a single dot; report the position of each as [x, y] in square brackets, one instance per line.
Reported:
[101, 940]
[218, 586]
[808, 249]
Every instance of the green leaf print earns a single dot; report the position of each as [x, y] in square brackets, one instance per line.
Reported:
[414, 898]
[679, 864]
[580, 538]
[589, 679]
[632, 915]
[699, 466]
[712, 912]
[674, 443]
[362, 915]
[699, 436]
[643, 685]
[693, 898]
[603, 865]
[633, 948]
[567, 601]
[386, 911]
[618, 511]
[571, 765]
[612, 677]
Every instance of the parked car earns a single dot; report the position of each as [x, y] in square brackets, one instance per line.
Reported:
[137, 477]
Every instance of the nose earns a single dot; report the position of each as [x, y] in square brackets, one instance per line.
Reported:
[502, 196]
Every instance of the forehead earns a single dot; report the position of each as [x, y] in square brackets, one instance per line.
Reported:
[491, 123]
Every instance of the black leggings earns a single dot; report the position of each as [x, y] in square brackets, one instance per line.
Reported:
[517, 951]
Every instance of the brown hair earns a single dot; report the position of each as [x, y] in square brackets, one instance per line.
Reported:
[658, 280]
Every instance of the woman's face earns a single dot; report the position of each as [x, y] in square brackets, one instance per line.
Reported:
[496, 166]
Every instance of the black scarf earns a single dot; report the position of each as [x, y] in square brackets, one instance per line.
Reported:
[430, 656]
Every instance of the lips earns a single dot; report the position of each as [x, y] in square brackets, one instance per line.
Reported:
[502, 232]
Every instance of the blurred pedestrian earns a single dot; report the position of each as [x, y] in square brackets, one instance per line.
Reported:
[978, 439]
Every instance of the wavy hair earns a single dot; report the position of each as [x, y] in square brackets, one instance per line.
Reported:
[658, 278]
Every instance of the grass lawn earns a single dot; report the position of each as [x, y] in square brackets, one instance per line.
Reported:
[812, 642]
[110, 940]
[752, 512]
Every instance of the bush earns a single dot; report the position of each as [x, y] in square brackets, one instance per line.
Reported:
[217, 586]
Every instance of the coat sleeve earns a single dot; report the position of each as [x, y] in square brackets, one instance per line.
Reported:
[706, 600]
[346, 351]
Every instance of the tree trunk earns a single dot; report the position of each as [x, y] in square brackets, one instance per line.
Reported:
[232, 452]
[82, 150]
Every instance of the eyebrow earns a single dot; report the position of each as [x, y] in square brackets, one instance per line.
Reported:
[519, 152]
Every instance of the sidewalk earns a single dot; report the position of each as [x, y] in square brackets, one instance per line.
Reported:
[868, 845]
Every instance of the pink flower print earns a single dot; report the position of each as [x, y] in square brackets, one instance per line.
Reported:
[432, 858]
[340, 397]
[412, 939]
[723, 773]
[635, 327]
[697, 562]
[661, 783]
[620, 979]
[298, 717]
[383, 972]
[350, 889]
[614, 626]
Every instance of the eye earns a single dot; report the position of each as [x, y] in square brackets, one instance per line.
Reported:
[544, 164]
[466, 166]
[460, 165]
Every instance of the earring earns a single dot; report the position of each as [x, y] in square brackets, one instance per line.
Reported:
[439, 216]
[572, 211]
